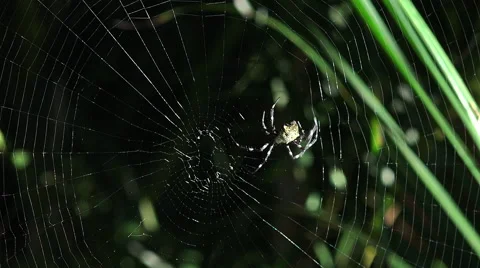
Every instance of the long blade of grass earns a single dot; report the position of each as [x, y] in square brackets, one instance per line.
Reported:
[405, 25]
[443, 61]
[382, 34]
[393, 130]
[429, 180]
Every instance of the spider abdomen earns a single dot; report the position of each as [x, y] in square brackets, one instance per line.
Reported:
[289, 133]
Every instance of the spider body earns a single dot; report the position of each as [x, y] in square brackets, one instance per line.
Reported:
[290, 133]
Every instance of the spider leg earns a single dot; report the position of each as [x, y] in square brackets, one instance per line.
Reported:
[301, 137]
[297, 143]
[302, 132]
[266, 157]
[272, 111]
[312, 134]
[289, 151]
[312, 138]
[263, 124]
[250, 149]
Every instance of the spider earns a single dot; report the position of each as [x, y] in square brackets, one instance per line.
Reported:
[290, 133]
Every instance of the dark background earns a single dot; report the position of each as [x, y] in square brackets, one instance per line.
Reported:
[103, 140]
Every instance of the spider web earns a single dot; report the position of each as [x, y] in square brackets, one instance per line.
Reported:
[114, 121]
